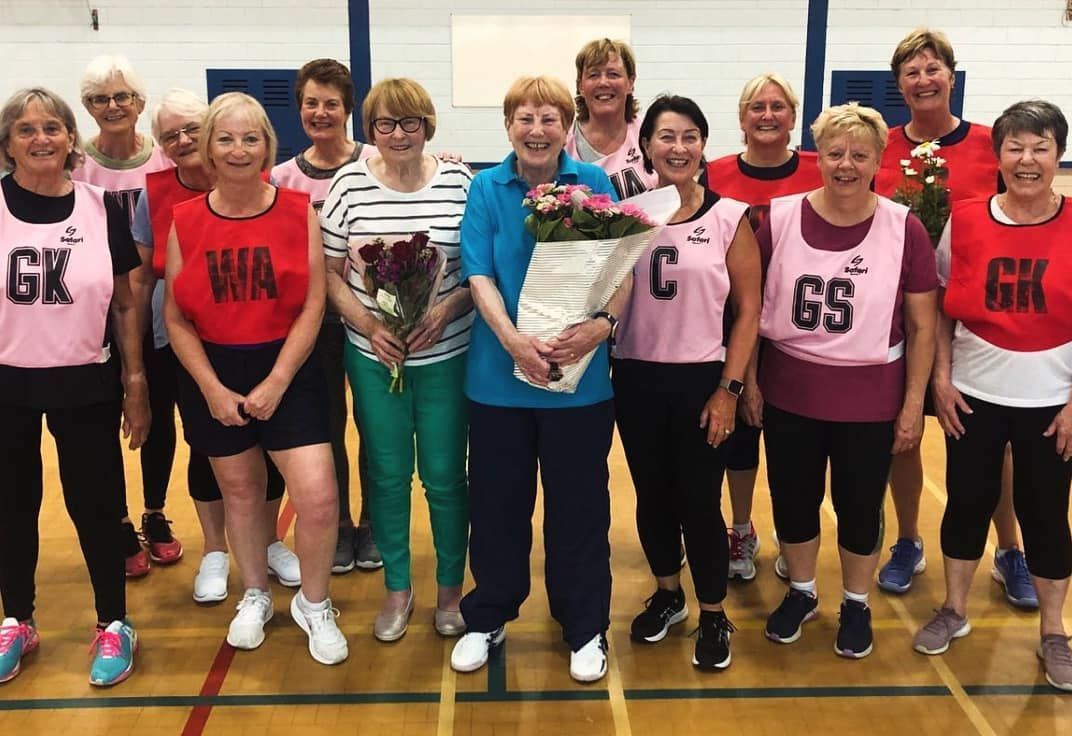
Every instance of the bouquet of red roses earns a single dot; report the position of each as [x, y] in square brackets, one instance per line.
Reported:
[402, 278]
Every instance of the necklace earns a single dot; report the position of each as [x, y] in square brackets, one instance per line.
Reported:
[1052, 205]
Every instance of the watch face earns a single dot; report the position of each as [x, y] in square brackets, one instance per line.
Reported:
[734, 387]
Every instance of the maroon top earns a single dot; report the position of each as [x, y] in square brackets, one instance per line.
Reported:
[870, 393]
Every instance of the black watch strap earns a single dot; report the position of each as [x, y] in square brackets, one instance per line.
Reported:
[611, 319]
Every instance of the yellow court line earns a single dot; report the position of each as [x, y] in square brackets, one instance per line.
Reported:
[619, 710]
[445, 719]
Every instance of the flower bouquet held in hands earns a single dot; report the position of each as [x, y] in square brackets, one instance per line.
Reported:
[585, 247]
[402, 278]
[923, 188]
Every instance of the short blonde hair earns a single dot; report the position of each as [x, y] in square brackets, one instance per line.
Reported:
[236, 102]
[596, 53]
[853, 120]
[402, 97]
[755, 85]
[103, 68]
[539, 91]
[53, 105]
[919, 40]
[181, 102]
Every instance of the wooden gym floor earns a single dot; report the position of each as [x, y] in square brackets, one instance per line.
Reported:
[187, 681]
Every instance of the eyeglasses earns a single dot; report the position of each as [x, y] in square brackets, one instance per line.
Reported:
[172, 136]
[387, 126]
[121, 99]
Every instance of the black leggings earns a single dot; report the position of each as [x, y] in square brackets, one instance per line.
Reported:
[676, 474]
[798, 448]
[91, 474]
[1040, 485]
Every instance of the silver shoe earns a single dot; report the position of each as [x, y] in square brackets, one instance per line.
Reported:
[449, 623]
[392, 626]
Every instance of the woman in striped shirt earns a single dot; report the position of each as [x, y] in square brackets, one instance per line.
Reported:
[394, 194]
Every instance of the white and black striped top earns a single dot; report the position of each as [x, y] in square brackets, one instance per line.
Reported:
[359, 207]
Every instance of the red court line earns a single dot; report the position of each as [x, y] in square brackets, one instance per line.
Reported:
[217, 673]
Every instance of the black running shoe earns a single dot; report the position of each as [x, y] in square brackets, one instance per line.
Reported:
[664, 609]
[713, 641]
[787, 620]
[854, 633]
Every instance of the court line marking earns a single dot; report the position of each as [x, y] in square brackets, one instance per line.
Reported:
[447, 688]
[619, 710]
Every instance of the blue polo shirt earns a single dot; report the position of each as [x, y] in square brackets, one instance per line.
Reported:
[495, 243]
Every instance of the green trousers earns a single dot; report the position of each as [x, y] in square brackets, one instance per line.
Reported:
[426, 423]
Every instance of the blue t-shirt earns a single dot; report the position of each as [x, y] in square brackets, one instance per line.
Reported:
[142, 230]
[495, 243]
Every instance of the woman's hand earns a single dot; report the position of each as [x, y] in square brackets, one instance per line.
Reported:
[264, 399]
[947, 400]
[430, 329]
[532, 357]
[389, 349]
[226, 407]
[1062, 427]
[750, 405]
[907, 430]
[136, 413]
[576, 341]
[718, 417]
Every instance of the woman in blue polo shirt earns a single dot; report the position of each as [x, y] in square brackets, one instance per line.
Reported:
[514, 426]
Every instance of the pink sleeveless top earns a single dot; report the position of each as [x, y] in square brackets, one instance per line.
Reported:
[680, 288]
[624, 167]
[57, 287]
[126, 183]
[288, 174]
[833, 307]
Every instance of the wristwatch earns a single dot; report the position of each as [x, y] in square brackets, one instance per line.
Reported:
[731, 385]
[612, 320]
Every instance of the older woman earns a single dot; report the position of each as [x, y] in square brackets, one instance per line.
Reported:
[514, 425]
[767, 168]
[848, 312]
[67, 250]
[606, 129]
[1003, 375]
[118, 159]
[398, 191]
[176, 125]
[245, 299]
[923, 64]
[677, 380]
[325, 94]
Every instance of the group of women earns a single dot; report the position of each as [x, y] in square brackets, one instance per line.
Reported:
[802, 250]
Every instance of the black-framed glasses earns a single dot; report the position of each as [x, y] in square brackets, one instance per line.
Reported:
[172, 136]
[121, 99]
[386, 126]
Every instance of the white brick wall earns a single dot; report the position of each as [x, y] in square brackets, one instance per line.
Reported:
[706, 49]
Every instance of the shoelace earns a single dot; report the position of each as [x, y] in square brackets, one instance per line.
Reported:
[722, 626]
[10, 634]
[1017, 565]
[318, 620]
[251, 600]
[156, 528]
[736, 545]
[902, 555]
[667, 601]
[107, 643]
[943, 622]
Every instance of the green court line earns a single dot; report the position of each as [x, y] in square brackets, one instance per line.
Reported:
[751, 693]
[1011, 690]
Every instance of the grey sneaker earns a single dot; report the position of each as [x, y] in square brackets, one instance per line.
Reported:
[947, 625]
[366, 553]
[344, 550]
[1056, 660]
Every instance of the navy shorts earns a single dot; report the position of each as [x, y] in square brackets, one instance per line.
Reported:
[300, 419]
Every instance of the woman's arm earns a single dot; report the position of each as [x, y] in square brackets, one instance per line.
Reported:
[528, 352]
[262, 401]
[742, 263]
[947, 399]
[576, 341]
[142, 283]
[136, 414]
[224, 404]
[388, 348]
[437, 318]
[920, 314]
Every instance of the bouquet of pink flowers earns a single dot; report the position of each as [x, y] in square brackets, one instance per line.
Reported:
[402, 278]
[923, 188]
[572, 212]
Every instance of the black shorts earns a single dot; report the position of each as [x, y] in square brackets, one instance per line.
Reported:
[300, 419]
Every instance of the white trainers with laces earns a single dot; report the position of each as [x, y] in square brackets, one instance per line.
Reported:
[471, 651]
[210, 583]
[283, 564]
[326, 642]
[743, 551]
[247, 627]
[589, 663]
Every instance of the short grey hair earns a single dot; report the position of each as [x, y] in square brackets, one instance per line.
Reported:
[178, 101]
[102, 68]
[53, 104]
[1031, 116]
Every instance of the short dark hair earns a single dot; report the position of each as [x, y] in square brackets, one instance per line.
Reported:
[329, 73]
[1031, 116]
[669, 103]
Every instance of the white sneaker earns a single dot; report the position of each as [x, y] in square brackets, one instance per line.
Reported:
[284, 565]
[210, 583]
[781, 567]
[589, 663]
[247, 627]
[326, 642]
[471, 651]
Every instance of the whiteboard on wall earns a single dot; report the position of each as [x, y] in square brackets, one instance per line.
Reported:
[489, 52]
